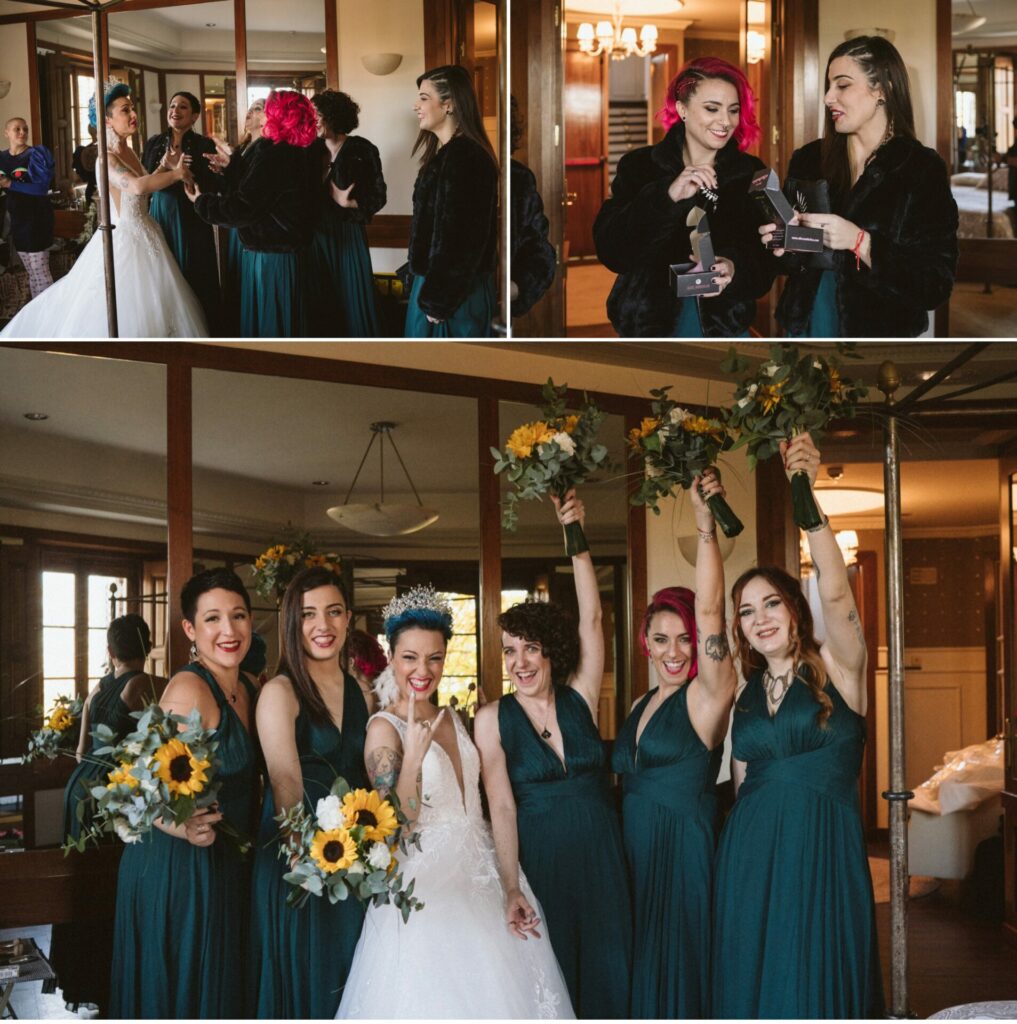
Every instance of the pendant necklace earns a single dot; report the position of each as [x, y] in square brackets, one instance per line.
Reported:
[777, 686]
[545, 733]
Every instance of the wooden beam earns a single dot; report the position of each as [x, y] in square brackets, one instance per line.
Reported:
[776, 532]
[240, 40]
[137, 5]
[638, 670]
[179, 504]
[489, 663]
[34, 108]
[389, 231]
[331, 44]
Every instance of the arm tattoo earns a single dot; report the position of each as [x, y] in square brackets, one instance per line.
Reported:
[717, 648]
[853, 619]
[383, 764]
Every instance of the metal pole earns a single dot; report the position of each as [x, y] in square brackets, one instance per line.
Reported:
[502, 324]
[102, 181]
[897, 796]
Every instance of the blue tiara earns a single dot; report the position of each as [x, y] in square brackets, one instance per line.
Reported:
[420, 606]
[113, 90]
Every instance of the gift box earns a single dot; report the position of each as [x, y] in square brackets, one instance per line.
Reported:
[696, 278]
[774, 208]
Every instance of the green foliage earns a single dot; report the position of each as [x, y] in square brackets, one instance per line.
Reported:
[49, 742]
[283, 559]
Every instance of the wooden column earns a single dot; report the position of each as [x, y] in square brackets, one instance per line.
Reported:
[777, 540]
[489, 663]
[240, 41]
[179, 511]
[332, 44]
[34, 108]
[637, 575]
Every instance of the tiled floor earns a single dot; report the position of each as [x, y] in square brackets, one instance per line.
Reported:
[28, 1001]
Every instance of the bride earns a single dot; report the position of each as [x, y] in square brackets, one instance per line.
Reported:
[455, 957]
[153, 299]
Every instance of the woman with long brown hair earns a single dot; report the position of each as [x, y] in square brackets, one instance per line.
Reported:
[454, 232]
[794, 921]
[891, 229]
[312, 719]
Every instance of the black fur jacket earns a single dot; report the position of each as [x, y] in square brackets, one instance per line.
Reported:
[533, 257]
[358, 163]
[640, 231]
[454, 232]
[271, 203]
[903, 200]
[195, 146]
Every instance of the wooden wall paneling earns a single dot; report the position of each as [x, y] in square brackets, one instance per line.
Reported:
[489, 663]
[443, 42]
[331, 44]
[179, 505]
[240, 40]
[777, 540]
[20, 646]
[638, 670]
[799, 75]
[584, 108]
[389, 230]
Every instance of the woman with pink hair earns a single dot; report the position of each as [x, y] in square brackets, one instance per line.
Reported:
[668, 754]
[642, 228]
[271, 206]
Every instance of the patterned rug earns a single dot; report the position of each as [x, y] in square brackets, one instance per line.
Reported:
[921, 885]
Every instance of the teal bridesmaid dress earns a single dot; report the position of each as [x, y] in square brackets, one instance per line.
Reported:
[670, 829]
[80, 951]
[570, 849]
[471, 318]
[301, 957]
[341, 268]
[180, 937]
[794, 920]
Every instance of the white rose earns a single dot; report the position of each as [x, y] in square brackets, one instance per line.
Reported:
[133, 748]
[125, 832]
[379, 857]
[565, 443]
[742, 402]
[753, 388]
[356, 868]
[652, 470]
[329, 813]
[816, 364]
[678, 415]
[770, 369]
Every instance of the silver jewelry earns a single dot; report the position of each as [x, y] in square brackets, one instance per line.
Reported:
[772, 684]
[706, 534]
[194, 651]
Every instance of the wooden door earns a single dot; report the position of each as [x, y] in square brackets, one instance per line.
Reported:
[154, 610]
[664, 66]
[585, 108]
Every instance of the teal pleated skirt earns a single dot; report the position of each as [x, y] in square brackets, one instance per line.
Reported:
[471, 319]
[272, 302]
[193, 245]
[342, 292]
[824, 321]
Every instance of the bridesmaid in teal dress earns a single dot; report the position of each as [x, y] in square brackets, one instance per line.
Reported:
[80, 952]
[312, 719]
[546, 777]
[668, 753]
[795, 931]
[180, 946]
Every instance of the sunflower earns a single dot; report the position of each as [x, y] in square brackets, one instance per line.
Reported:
[376, 816]
[700, 425]
[570, 424]
[836, 386]
[314, 561]
[770, 395]
[275, 552]
[333, 850]
[60, 720]
[122, 776]
[182, 772]
[525, 438]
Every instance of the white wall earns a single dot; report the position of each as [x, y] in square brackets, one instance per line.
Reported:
[155, 120]
[386, 114]
[914, 25]
[14, 47]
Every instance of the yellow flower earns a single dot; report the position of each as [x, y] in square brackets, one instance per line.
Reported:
[316, 560]
[700, 425]
[333, 850]
[274, 553]
[182, 772]
[525, 438]
[367, 809]
[60, 719]
[260, 562]
[770, 396]
[570, 424]
[836, 386]
[121, 775]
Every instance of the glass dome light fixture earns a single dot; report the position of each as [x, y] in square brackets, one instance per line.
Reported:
[609, 37]
[381, 518]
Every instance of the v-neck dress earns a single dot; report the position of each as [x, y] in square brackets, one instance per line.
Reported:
[794, 920]
[180, 938]
[571, 851]
[301, 957]
[670, 829]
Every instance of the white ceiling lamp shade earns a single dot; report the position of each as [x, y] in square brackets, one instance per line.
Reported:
[847, 501]
[967, 22]
[380, 518]
[618, 42]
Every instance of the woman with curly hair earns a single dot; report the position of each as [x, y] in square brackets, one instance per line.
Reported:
[643, 227]
[271, 206]
[795, 929]
[454, 231]
[351, 193]
[668, 754]
[366, 662]
[312, 719]
[545, 773]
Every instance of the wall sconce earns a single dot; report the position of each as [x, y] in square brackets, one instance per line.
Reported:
[755, 46]
[5, 88]
[381, 63]
[847, 541]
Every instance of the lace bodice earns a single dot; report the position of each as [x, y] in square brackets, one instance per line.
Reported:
[133, 219]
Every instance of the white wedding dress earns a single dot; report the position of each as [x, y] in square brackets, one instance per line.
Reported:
[455, 957]
[153, 299]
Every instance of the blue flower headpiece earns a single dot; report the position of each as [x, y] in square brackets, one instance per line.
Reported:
[422, 607]
[112, 90]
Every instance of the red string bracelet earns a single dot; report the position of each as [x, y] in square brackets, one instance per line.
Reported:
[857, 250]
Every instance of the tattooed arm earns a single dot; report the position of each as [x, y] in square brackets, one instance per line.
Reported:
[713, 689]
[388, 769]
[127, 180]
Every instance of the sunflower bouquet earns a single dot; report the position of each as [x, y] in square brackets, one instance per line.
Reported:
[675, 447]
[279, 563]
[347, 847]
[790, 393]
[551, 456]
[164, 770]
[59, 732]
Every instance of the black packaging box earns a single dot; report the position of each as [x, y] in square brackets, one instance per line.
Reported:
[687, 282]
[775, 209]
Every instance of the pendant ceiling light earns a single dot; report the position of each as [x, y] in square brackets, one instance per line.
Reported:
[381, 518]
[968, 22]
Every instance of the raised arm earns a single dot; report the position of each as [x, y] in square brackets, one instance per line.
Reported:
[710, 700]
[122, 177]
[519, 914]
[844, 649]
[589, 672]
[276, 715]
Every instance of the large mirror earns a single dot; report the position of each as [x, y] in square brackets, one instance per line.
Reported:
[286, 47]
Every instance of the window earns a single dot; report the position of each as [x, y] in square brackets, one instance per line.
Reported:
[82, 90]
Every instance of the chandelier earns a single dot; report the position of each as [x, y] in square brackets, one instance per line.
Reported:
[381, 518]
[609, 37]
[847, 541]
